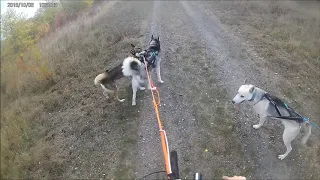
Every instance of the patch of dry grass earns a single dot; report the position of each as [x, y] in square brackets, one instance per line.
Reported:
[278, 22]
[17, 137]
[27, 87]
[286, 35]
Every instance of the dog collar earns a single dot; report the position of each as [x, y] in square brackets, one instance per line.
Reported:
[253, 96]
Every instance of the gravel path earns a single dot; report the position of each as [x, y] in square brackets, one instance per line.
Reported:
[192, 40]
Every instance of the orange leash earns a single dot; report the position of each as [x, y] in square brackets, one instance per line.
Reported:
[164, 142]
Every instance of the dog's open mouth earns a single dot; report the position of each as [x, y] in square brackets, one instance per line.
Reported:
[237, 107]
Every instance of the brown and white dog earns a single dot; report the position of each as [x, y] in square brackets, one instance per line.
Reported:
[131, 66]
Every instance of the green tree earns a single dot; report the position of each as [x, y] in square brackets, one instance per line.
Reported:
[72, 7]
[46, 15]
[18, 34]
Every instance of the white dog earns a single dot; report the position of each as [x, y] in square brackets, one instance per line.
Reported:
[268, 106]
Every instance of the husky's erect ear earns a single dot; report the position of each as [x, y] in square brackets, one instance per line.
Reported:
[245, 81]
[158, 38]
[132, 45]
[251, 89]
[152, 37]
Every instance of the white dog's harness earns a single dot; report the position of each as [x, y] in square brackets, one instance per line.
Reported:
[276, 102]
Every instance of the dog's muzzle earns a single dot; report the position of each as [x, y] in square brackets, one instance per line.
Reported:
[233, 102]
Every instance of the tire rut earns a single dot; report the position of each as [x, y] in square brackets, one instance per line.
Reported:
[181, 109]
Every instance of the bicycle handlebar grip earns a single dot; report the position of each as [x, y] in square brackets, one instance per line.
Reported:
[174, 164]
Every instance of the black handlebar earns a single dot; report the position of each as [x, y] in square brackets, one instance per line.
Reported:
[175, 168]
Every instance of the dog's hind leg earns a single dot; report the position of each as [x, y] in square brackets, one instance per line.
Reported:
[116, 95]
[289, 134]
[158, 71]
[141, 81]
[112, 89]
[307, 131]
[105, 93]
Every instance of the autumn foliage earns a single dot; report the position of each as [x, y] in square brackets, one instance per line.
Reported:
[26, 71]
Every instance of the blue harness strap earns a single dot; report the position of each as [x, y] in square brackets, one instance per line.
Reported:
[151, 57]
[312, 123]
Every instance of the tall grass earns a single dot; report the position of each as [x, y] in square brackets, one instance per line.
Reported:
[24, 83]
[27, 75]
[285, 33]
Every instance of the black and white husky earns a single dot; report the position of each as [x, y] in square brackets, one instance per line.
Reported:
[151, 55]
[132, 66]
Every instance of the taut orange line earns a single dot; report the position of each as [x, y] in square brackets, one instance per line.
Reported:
[162, 135]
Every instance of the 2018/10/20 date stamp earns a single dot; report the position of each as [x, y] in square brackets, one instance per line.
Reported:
[31, 4]
[20, 4]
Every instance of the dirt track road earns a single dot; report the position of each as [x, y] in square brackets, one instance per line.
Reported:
[202, 66]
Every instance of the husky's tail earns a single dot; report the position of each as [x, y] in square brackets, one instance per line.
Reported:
[99, 78]
[131, 66]
[307, 131]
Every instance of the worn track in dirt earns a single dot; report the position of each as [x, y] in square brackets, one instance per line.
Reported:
[189, 32]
